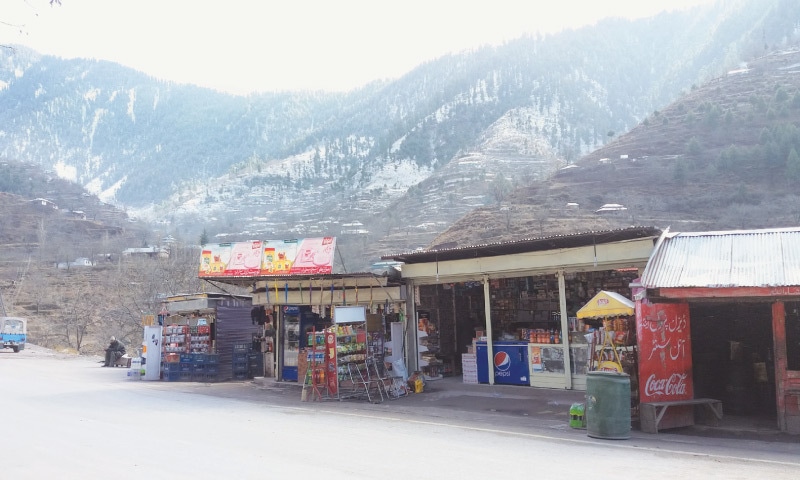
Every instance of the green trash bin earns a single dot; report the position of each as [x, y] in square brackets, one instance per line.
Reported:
[608, 405]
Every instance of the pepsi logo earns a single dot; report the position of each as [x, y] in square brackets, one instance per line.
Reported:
[502, 361]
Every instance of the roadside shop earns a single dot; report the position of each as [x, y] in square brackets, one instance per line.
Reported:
[507, 312]
[720, 315]
[199, 333]
[295, 293]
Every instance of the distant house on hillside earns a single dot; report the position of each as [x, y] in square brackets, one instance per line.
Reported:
[610, 207]
[79, 262]
[79, 214]
[151, 252]
[44, 203]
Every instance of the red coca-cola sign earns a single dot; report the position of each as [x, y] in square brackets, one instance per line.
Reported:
[673, 386]
[665, 351]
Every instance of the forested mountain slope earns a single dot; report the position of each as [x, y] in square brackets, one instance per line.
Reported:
[386, 167]
[724, 156]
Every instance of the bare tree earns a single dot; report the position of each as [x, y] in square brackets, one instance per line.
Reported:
[500, 187]
[82, 312]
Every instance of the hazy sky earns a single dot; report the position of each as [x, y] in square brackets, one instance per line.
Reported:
[241, 46]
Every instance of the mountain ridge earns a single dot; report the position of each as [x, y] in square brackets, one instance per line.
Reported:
[308, 163]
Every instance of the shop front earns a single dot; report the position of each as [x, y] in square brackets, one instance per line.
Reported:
[507, 313]
[294, 294]
[198, 335]
[303, 306]
[719, 318]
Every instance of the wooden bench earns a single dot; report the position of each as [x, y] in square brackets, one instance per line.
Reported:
[651, 413]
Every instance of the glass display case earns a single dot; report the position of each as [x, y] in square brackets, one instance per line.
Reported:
[546, 363]
[290, 334]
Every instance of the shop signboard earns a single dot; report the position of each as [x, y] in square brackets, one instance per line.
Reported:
[304, 256]
[349, 314]
[665, 357]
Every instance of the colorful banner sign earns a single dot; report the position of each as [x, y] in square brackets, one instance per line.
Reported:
[331, 372]
[305, 256]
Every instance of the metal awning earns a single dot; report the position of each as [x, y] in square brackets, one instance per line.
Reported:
[444, 253]
[725, 259]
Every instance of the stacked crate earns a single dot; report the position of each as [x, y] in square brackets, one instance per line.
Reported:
[199, 367]
[239, 361]
[200, 341]
[191, 367]
[170, 371]
[186, 367]
[211, 361]
[255, 364]
[205, 367]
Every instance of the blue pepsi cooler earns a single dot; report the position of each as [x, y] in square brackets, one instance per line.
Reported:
[510, 363]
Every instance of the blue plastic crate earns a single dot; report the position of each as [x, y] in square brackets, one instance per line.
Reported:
[241, 347]
[187, 358]
[239, 358]
[199, 368]
[172, 376]
[186, 376]
[199, 357]
[212, 369]
[212, 358]
[239, 368]
[171, 367]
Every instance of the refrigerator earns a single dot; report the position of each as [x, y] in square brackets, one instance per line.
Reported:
[309, 321]
[290, 341]
[510, 363]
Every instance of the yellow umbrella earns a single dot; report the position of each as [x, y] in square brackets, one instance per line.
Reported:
[606, 304]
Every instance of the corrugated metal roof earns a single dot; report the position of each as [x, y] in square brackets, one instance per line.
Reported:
[735, 258]
[554, 242]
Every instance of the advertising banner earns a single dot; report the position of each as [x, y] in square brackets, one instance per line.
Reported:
[535, 356]
[665, 356]
[331, 372]
[305, 256]
[241, 259]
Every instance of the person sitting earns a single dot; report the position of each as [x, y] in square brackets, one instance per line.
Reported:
[114, 352]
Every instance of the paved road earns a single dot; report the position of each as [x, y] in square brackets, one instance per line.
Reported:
[65, 417]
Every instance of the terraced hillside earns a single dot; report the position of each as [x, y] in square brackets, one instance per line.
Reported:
[718, 158]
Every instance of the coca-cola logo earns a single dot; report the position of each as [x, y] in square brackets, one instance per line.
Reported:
[674, 385]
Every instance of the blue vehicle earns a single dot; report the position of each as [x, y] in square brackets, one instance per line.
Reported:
[13, 333]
